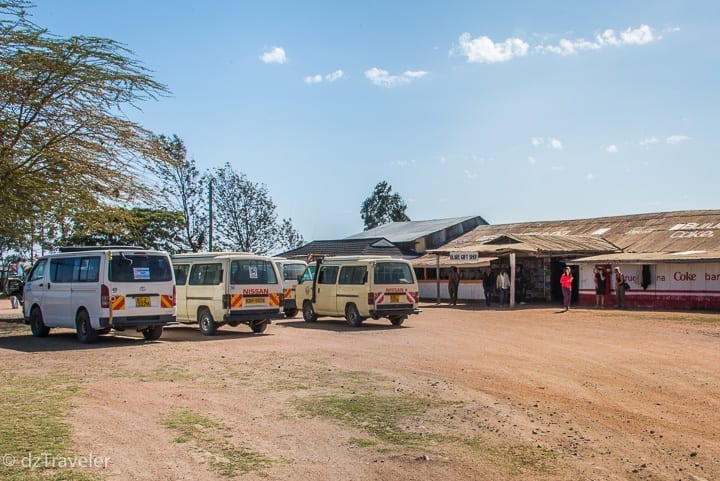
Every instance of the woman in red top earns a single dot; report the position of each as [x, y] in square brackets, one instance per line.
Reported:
[566, 281]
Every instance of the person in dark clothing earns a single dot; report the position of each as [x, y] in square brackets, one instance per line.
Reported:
[488, 279]
[600, 285]
[453, 285]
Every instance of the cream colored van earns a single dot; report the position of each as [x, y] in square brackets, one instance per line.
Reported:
[357, 288]
[290, 271]
[218, 288]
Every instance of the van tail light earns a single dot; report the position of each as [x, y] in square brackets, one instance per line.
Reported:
[174, 298]
[226, 301]
[416, 296]
[371, 298]
[104, 297]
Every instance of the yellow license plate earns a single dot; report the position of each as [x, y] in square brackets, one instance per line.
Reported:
[394, 298]
[255, 300]
[143, 301]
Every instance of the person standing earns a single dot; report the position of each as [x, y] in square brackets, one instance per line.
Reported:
[488, 285]
[566, 281]
[503, 286]
[453, 285]
[520, 285]
[600, 284]
[620, 288]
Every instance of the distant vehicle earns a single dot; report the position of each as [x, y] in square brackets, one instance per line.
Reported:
[232, 288]
[96, 289]
[290, 272]
[359, 287]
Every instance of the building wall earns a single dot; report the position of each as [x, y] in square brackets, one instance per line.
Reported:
[675, 286]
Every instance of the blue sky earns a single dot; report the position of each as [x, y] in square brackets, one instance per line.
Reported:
[515, 111]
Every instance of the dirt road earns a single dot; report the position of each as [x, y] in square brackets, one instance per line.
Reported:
[455, 393]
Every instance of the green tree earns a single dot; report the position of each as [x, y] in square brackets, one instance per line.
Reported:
[182, 188]
[382, 206]
[245, 215]
[65, 137]
[152, 228]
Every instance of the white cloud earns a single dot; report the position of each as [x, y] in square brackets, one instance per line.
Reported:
[537, 141]
[318, 78]
[314, 79]
[550, 143]
[531, 159]
[632, 36]
[612, 149]
[676, 139]
[483, 50]
[649, 141]
[336, 75]
[470, 174]
[590, 176]
[276, 55]
[443, 160]
[382, 78]
[555, 144]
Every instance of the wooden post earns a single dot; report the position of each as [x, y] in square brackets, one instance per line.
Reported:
[512, 279]
[437, 276]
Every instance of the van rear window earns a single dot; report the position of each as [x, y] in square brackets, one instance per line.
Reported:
[135, 267]
[393, 273]
[252, 271]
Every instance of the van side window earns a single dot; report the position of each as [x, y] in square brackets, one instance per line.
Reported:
[352, 275]
[328, 275]
[89, 269]
[181, 272]
[38, 271]
[252, 271]
[206, 275]
[61, 269]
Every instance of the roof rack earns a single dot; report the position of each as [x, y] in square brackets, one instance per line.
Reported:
[100, 248]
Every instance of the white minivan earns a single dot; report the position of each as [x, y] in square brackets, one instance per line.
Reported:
[290, 271]
[96, 289]
[218, 288]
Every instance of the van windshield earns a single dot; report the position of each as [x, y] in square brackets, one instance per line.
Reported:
[140, 267]
[393, 273]
[252, 271]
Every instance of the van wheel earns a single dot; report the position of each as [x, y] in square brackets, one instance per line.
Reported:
[259, 327]
[353, 316]
[152, 333]
[309, 314]
[85, 332]
[397, 320]
[291, 313]
[207, 324]
[37, 325]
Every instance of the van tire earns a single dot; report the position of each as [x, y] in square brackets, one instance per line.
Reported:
[152, 333]
[397, 320]
[37, 325]
[352, 315]
[291, 313]
[309, 314]
[85, 332]
[207, 324]
[258, 327]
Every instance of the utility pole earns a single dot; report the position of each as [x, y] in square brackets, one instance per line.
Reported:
[210, 217]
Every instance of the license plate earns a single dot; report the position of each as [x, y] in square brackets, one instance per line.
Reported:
[142, 301]
[255, 300]
[395, 298]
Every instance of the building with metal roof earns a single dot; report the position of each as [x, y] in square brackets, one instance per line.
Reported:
[348, 247]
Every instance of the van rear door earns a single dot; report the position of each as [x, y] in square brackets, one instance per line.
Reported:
[141, 284]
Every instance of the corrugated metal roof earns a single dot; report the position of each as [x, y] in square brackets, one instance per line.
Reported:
[652, 257]
[534, 243]
[412, 230]
[375, 246]
[663, 232]
[431, 260]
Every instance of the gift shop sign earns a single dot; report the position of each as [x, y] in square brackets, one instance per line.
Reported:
[464, 256]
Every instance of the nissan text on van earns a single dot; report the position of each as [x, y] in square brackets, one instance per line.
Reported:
[357, 288]
[218, 288]
[96, 289]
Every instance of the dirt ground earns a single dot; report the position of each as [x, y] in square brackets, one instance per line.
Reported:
[480, 393]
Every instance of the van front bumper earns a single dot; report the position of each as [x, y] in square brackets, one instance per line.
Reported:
[256, 315]
[136, 321]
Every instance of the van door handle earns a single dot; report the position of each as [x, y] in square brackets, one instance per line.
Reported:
[41, 284]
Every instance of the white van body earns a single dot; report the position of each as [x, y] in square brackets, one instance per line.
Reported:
[358, 287]
[290, 272]
[96, 289]
[218, 288]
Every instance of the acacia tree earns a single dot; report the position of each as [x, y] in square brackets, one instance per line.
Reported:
[182, 188]
[65, 137]
[382, 206]
[245, 215]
